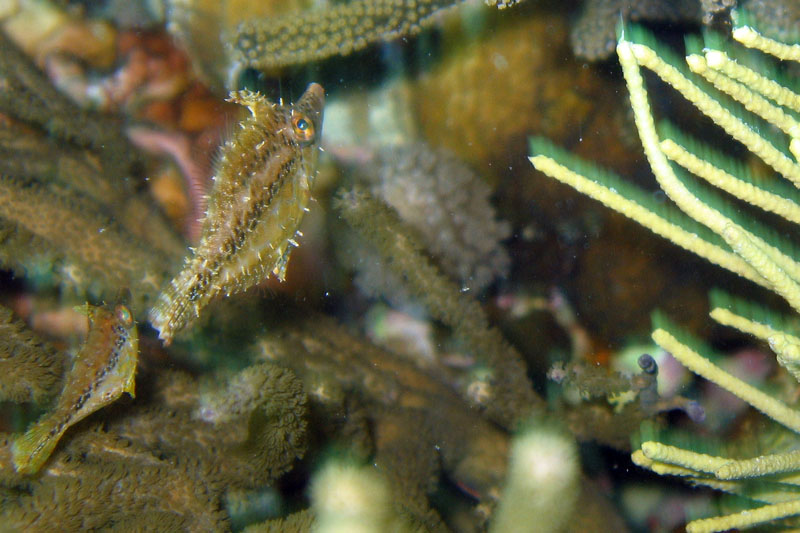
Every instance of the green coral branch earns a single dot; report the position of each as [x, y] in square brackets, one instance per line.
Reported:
[511, 396]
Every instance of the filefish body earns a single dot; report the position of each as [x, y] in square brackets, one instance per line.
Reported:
[102, 370]
[261, 191]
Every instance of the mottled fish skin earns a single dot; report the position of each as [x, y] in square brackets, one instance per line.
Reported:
[102, 370]
[261, 191]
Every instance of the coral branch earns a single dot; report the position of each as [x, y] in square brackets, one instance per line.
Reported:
[29, 367]
[512, 396]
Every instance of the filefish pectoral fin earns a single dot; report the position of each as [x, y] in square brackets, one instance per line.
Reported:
[85, 309]
[280, 266]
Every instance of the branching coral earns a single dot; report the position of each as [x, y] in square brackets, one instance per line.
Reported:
[339, 368]
[106, 255]
[509, 397]
[60, 208]
[28, 95]
[338, 30]
[734, 242]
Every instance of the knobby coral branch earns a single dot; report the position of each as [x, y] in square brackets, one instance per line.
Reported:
[338, 30]
[511, 396]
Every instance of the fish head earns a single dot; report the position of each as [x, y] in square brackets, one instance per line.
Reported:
[303, 124]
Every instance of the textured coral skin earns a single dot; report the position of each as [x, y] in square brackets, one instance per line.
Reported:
[339, 30]
[261, 191]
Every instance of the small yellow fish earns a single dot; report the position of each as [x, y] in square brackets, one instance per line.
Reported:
[102, 370]
[262, 186]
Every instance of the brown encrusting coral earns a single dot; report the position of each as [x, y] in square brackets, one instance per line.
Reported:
[30, 366]
[506, 392]
[161, 460]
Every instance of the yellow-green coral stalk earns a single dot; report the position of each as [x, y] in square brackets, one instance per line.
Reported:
[787, 348]
[726, 317]
[773, 493]
[751, 100]
[631, 55]
[719, 60]
[696, 462]
[785, 345]
[659, 225]
[751, 38]
[760, 466]
[768, 405]
[640, 459]
[766, 200]
[748, 518]
[767, 260]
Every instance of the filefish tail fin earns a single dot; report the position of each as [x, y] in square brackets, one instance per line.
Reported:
[177, 305]
[30, 450]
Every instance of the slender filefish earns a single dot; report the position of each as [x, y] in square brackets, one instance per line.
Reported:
[262, 187]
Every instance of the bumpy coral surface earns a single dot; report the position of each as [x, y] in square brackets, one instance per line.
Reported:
[448, 205]
[490, 92]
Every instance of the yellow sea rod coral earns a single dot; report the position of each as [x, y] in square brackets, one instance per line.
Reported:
[758, 110]
[261, 191]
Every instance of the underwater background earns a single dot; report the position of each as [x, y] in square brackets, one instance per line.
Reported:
[294, 265]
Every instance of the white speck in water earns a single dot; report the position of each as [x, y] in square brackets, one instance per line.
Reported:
[499, 61]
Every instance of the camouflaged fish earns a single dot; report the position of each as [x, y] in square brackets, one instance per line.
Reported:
[102, 370]
[260, 194]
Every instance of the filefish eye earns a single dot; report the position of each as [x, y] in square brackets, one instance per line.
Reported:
[302, 127]
[124, 315]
